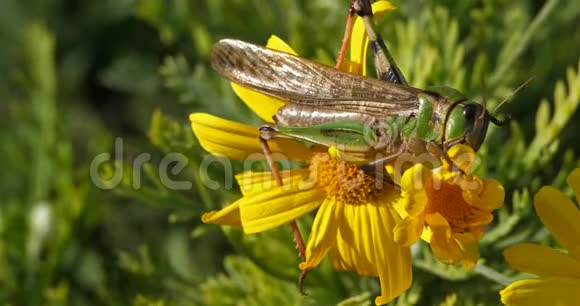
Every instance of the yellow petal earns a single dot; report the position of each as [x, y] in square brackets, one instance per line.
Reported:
[278, 206]
[446, 250]
[359, 39]
[478, 218]
[413, 185]
[469, 184]
[323, 234]
[408, 231]
[254, 182]
[541, 260]
[436, 220]
[229, 215]
[393, 263]
[347, 254]
[276, 43]
[234, 140]
[427, 234]
[353, 230]
[223, 137]
[493, 195]
[413, 178]
[449, 247]
[444, 247]
[365, 245]
[561, 217]
[414, 203]
[542, 291]
[574, 182]
[351, 67]
[469, 245]
[462, 156]
[346, 258]
[262, 105]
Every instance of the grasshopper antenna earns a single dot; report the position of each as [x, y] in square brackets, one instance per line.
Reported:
[483, 98]
[492, 116]
[524, 84]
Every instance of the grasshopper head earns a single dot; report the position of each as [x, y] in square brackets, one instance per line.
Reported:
[476, 121]
[477, 118]
[466, 121]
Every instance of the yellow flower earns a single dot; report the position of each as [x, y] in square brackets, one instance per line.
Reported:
[354, 221]
[447, 208]
[558, 271]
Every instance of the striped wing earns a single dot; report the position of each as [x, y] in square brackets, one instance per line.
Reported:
[304, 82]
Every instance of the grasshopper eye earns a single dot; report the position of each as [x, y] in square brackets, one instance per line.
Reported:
[470, 111]
[476, 124]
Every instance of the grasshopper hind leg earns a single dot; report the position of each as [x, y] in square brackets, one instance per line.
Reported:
[385, 65]
[347, 35]
[268, 132]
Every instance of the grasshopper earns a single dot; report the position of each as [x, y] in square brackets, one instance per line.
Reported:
[360, 115]
[364, 117]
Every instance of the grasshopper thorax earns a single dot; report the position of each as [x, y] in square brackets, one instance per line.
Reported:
[465, 121]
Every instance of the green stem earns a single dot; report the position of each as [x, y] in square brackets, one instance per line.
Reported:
[492, 274]
[38, 49]
[39, 52]
[199, 186]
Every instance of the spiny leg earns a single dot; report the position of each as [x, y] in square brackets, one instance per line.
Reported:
[450, 143]
[346, 37]
[377, 167]
[437, 149]
[267, 133]
[385, 65]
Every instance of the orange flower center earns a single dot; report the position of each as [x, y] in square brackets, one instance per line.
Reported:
[447, 200]
[342, 180]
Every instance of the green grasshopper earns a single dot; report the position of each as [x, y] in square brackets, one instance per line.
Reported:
[361, 116]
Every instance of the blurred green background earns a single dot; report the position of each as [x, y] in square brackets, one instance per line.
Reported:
[76, 75]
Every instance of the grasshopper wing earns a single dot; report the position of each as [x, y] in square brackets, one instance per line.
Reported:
[305, 82]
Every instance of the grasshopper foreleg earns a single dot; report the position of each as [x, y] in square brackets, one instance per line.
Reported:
[385, 65]
[448, 144]
[268, 132]
[437, 149]
[377, 168]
